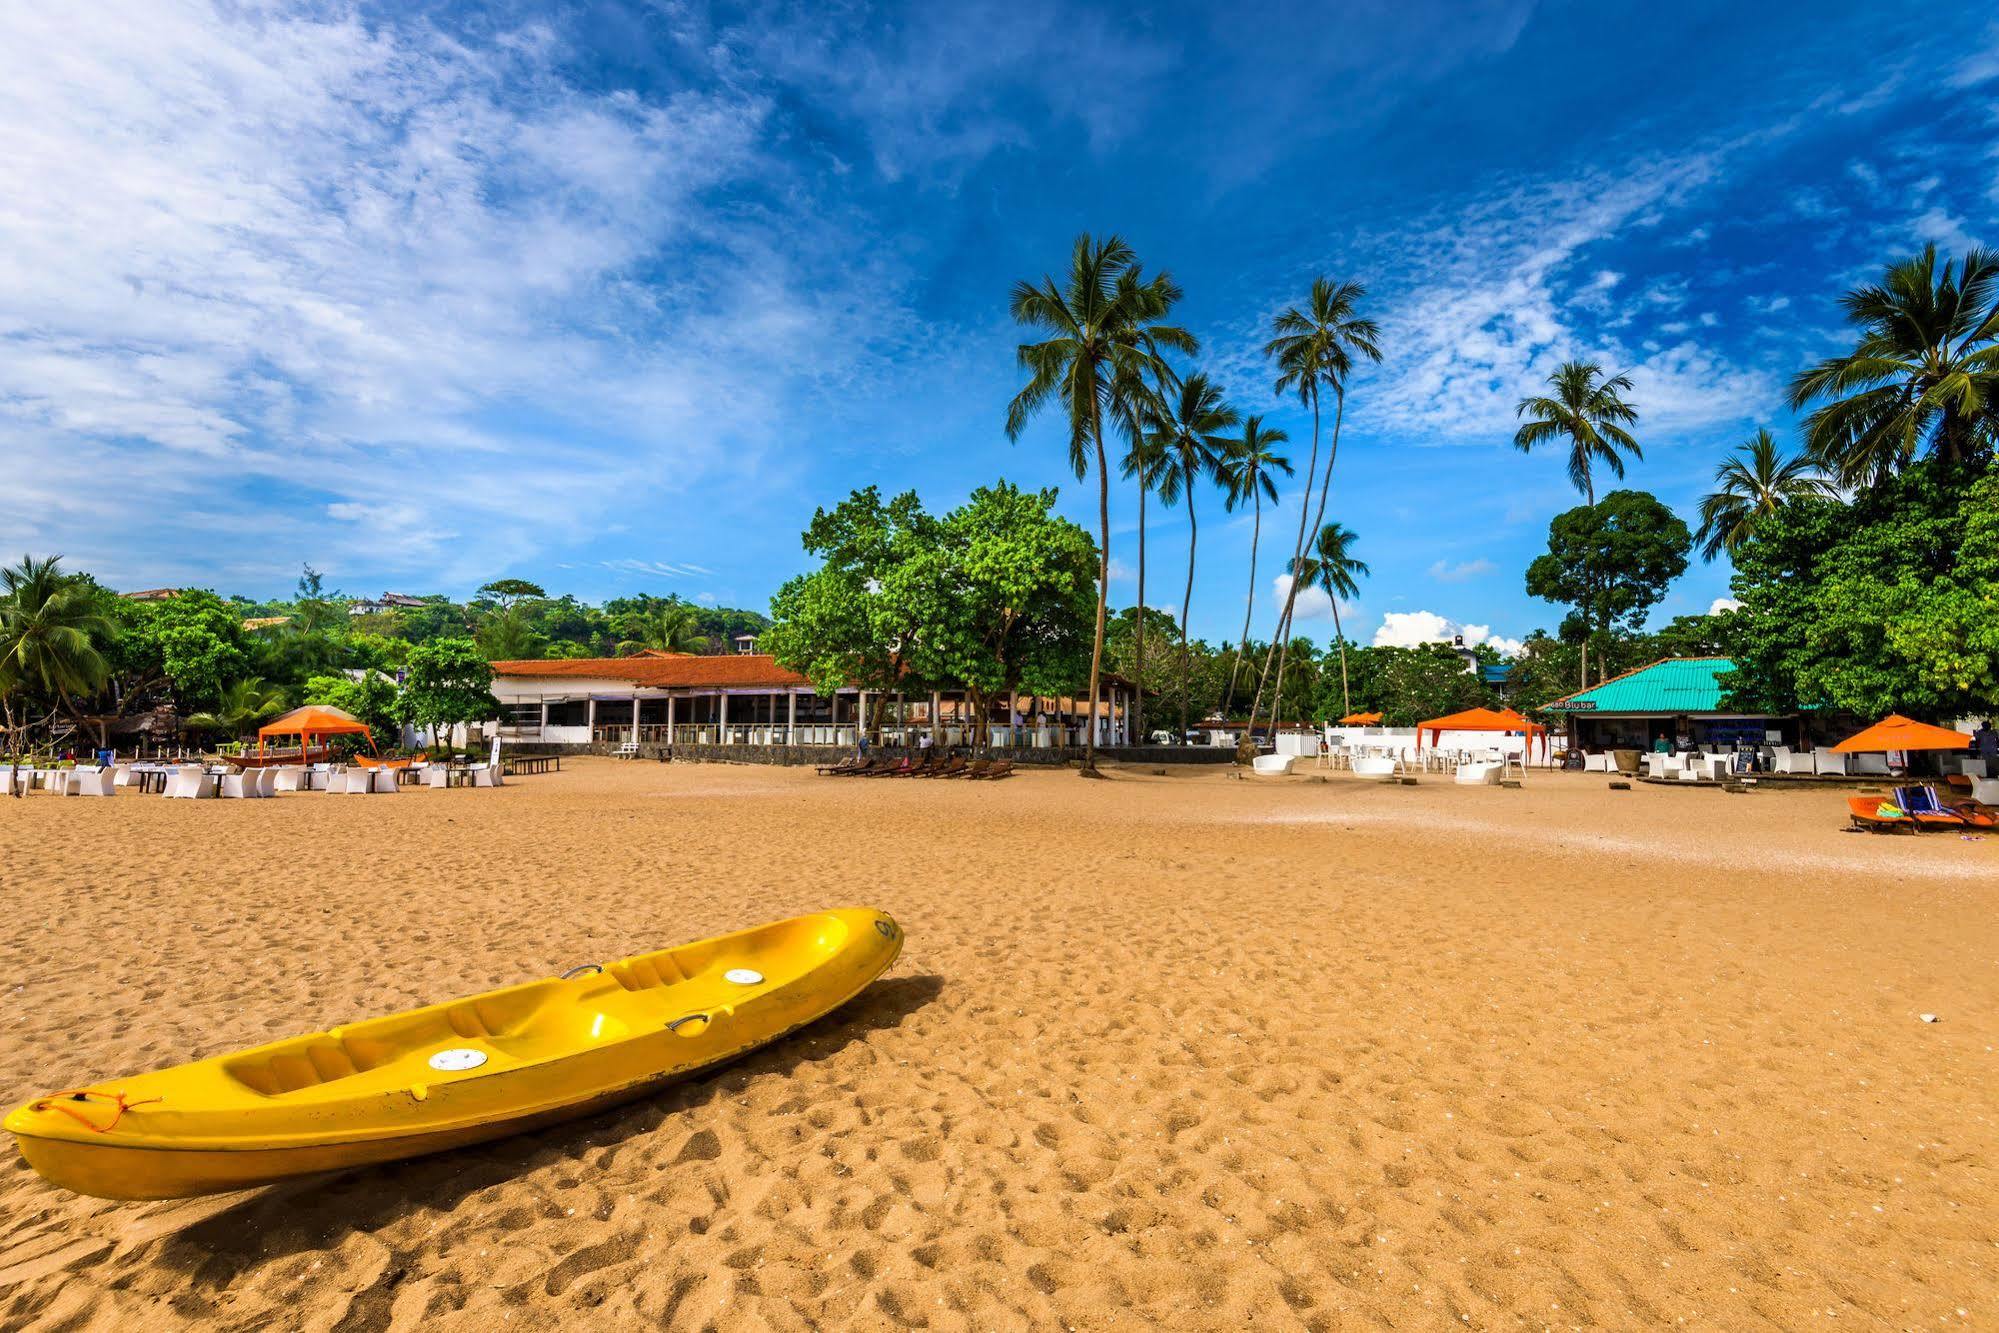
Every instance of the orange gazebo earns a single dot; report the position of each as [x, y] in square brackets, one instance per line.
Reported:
[1479, 719]
[313, 720]
[1895, 732]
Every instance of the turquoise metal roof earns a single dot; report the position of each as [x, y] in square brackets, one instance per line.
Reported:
[1676, 685]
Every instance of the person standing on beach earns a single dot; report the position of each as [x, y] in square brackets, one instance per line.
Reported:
[1985, 740]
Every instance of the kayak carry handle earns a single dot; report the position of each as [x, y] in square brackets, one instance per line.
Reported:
[675, 1026]
[580, 970]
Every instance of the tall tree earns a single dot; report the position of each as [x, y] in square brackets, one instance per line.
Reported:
[1584, 409]
[1924, 375]
[1092, 321]
[1610, 561]
[1314, 349]
[50, 628]
[1755, 482]
[244, 704]
[1587, 411]
[448, 681]
[1188, 434]
[1333, 567]
[1248, 471]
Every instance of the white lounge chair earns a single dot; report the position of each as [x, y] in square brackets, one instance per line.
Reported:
[288, 778]
[93, 782]
[1596, 763]
[1825, 761]
[1271, 765]
[352, 782]
[385, 781]
[190, 782]
[1974, 768]
[1782, 760]
[485, 775]
[240, 786]
[1478, 773]
[1691, 770]
[437, 775]
[121, 775]
[321, 778]
[1870, 765]
[1985, 790]
[1376, 766]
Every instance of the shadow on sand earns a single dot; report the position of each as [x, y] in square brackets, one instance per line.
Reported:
[224, 1238]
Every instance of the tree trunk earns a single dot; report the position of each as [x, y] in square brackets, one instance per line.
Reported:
[1249, 609]
[1340, 637]
[1284, 616]
[1138, 708]
[1187, 602]
[1325, 484]
[1103, 586]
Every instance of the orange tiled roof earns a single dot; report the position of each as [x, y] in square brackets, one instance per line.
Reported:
[735, 670]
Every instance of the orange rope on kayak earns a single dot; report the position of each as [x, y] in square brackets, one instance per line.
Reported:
[117, 1099]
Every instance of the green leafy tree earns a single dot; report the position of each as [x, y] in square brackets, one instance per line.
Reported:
[1610, 561]
[447, 682]
[1103, 327]
[244, 706]
[1922, 379]
[1411, 685]
[509, 636]
[200, 643]
[1005, 592]
[372, 699]
[669, 627]
[1755, 481]
[1248, 472]
[505, 593]
[1189, 437]
[1315, 350]
[50, 628]
[834, 625]
[1889, 603]
[1157, 678]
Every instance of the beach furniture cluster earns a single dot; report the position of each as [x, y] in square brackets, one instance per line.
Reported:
[202, 781]
[928, 765]
[1919, 808]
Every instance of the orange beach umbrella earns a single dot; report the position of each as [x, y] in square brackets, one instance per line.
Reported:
[1895, 732]
[1477, 719]
[313, 720]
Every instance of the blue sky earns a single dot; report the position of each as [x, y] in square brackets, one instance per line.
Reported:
[611, 295]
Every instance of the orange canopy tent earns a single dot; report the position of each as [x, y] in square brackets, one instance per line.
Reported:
[1895, 732]
[313, 720]
[1478, 719]
[1361, 720]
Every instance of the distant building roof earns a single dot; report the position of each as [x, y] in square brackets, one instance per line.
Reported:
[737, 671]
[1673, 686]
[153, 595]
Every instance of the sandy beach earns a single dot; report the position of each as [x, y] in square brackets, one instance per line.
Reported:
[1178, 1050]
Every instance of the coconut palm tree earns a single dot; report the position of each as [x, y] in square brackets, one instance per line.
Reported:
[1755, 481]
[244, 705]
[1333, 567]
[1585, 410]
[1924, 375]
[1315, 349]
[1189, 434]
[1092, 322]
[1145, 461]
[50, 627]
[1248, 471]
[670, 627]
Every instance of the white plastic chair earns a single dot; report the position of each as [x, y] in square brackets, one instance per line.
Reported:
[1826, 761]
[240, 786]
[121, 775]
[437, 775]
[288, 778]
[1782, 760]
[352, 782]
[1376, 766]
[190, 782]
[1596, 763]
[1870, 765]
[385, 781]
[1479, 773]
[1985, 790]
[93, 782]
[1974, 768]
[1690, 770]
[484, 775]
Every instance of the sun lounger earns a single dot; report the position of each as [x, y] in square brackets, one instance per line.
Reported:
[1877, 816]
[1930, 810]
[843, 768]
[950, 768]
[999, 768]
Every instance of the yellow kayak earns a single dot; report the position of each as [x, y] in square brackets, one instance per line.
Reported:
[455, 1073]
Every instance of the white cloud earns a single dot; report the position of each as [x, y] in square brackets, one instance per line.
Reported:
[1314, 603]
[1721, 604]
[1407, 629]
[412, 294]
[1445, 572]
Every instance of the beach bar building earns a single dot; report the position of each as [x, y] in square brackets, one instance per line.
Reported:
[747, 699]
[1631, 711]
